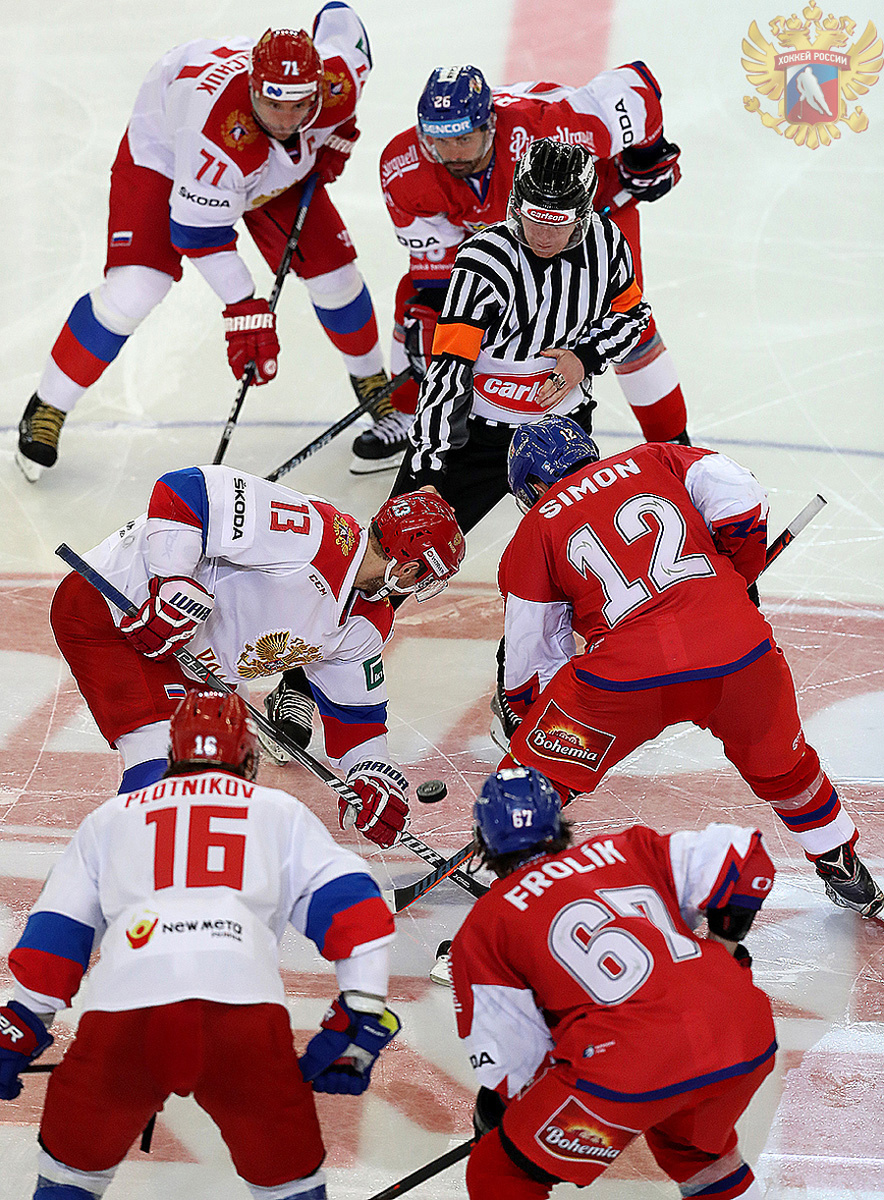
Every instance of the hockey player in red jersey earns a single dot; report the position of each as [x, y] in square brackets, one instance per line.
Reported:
[451, 175]
[258, 580]
[222, 130]
[591, 1008]
[647, 556]
[186, 996]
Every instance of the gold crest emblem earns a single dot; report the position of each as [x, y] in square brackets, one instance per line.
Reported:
[813, 75]
[345, 535]
[336, 87]
[238, 130]
[275, 652]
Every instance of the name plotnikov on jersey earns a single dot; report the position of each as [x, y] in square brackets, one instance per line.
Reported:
[214, 785]
[535, 883]
[603, 478]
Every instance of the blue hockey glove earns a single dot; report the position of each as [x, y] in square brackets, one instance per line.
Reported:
[340, 1057]
[23, 1037]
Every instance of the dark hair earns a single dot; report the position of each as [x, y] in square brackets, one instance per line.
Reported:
[193, 768]
[505, 864]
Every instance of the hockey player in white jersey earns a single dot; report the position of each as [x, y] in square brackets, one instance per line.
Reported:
[259, 580]
[223, 130]
[188, 886]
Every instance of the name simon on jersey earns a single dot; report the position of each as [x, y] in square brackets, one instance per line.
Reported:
[602, 478]
[535, 883]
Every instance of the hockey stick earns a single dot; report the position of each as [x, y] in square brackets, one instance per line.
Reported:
[807, 514]
[775, 549]
[202, 673]
[290, 247]
[427, 1171]
[339, 426]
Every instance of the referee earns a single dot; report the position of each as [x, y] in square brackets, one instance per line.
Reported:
[536, 306]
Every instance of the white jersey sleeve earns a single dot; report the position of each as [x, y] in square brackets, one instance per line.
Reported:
[711, 866]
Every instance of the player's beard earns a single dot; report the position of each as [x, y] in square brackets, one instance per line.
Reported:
[461, 170]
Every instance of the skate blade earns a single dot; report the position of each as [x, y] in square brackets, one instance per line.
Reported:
[370, 466]
[31, 470]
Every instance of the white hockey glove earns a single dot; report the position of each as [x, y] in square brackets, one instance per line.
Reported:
[383, 791]
[169, 617]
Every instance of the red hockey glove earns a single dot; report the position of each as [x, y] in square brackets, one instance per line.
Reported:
[331, 158]
[340, 1057]
[250, 329]
[383, 791]
[419, 325]
[23, 1037]
[649, 172]
[169, 616]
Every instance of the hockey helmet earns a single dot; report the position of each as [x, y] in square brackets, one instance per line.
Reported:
[554, 184]
[455, 100]
[419, 527]
[285, 65]
[213, 728]
[544, 452]
[517, 808]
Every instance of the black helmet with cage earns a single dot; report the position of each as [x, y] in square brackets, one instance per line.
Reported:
[554, 184]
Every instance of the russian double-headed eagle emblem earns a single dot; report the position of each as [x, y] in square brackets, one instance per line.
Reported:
[814, 75]
[274, 652]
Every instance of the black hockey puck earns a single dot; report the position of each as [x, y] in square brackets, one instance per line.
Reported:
[432, 791]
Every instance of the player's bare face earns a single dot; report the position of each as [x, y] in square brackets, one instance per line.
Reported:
[546, 241]
[463, 155]
[281, 118]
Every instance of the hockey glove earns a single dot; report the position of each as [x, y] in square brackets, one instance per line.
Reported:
[331, 158]
[250, 329]
[383, 791]
[649, 172]
[419, 325]
[488, 1112]
[23, 1037]
[340, 1057]
[169, 617]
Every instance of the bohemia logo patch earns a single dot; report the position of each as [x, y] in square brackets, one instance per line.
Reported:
[572, 1133]
[813, 76]
[561, 738]
[139, 932]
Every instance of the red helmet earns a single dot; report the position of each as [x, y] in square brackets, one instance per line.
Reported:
[214, 728]
[285, 65]
[419, 527]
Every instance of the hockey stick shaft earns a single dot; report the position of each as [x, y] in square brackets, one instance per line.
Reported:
[427, 1171]
[408, 894]
[339, 426]
[199, 669]
[807, 514]
[249, 373]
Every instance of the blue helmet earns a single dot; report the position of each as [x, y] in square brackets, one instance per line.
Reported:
[456, 100]
[546, 450]
[516, 809]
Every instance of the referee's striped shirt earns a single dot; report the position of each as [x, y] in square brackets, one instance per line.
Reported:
[511, 304]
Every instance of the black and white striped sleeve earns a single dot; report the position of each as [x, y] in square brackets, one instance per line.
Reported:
[624, 315]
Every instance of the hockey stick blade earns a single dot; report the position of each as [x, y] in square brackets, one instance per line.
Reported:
[446, 868]
[201, 672]
[339, 426]
[427, 1171]
[249, 373]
